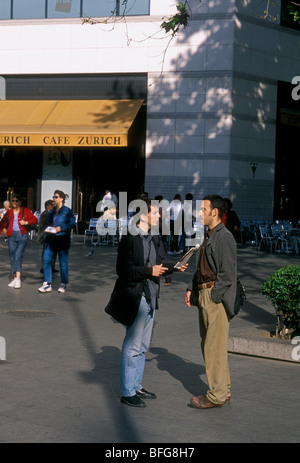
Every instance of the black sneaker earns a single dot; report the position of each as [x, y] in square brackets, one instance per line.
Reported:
[143, 394]
[133, 401]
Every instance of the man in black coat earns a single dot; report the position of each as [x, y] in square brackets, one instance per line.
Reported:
[141, 261]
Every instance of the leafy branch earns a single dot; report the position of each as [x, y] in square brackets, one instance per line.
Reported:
[170, 25]
[294, 11]
[176, 21]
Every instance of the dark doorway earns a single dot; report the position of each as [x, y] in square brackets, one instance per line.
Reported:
[97, 170]
[287, 167]
[20, 172]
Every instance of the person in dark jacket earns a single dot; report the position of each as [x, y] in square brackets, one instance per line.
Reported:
[215, 279]
[141, 261]
[230, 219]
[41, 233]
[60, 221]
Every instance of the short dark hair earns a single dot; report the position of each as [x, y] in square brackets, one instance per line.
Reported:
[49, 202]
[228, 203]
[148, 202]
[217, 202]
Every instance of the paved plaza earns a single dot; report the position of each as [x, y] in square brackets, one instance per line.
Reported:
[60, 380]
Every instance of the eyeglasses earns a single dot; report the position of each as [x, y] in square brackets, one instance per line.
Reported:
[15, 201]
[55, 197]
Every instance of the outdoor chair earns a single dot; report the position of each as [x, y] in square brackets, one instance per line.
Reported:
[91, 231]
[111, 227]
[265, 238]
[280, 237]
[76, 225]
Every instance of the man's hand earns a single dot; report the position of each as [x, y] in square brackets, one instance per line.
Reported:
[188, 298]
[183, 268]
[158, 270]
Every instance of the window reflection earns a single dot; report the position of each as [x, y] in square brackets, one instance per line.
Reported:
[134, 7]
[39, 9]
[100, 8]
[63, 9]
[30, 9]
[5, 9]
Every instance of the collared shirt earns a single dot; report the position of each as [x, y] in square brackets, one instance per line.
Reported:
[204, 272]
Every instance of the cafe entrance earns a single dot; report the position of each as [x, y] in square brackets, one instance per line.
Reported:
[82, 147]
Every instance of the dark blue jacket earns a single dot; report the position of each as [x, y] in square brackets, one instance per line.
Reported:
[64, 219]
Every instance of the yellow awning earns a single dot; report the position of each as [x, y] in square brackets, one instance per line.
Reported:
[67, 122]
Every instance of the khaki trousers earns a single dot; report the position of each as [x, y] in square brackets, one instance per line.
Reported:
[214, 331]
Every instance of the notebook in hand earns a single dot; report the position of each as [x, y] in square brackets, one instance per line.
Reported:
[50, 230]
[184, 260]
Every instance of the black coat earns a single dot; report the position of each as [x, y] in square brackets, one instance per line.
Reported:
[132, 273]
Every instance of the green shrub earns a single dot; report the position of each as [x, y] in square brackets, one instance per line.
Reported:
[283, 290]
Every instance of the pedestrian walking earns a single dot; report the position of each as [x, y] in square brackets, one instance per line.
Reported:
[49, 204]
[60, 222]
[14, 224]
[6, 207]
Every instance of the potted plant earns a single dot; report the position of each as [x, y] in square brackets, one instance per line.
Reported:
[283, 290]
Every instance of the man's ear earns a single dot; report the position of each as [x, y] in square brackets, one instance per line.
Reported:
[215, 212]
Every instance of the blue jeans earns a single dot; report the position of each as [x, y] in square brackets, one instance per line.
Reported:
[63, 264]
[136, 343]
[16, 247]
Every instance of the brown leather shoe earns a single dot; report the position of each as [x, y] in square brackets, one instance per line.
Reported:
[197, 399]
[203, 402]
[203, 397]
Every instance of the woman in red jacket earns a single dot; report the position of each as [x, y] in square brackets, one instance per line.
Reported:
[14, 225]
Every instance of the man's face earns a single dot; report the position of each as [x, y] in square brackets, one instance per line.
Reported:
[153, 216]
[206, 213]
[151, 219]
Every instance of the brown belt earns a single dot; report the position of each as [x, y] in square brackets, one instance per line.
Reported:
[206, 285]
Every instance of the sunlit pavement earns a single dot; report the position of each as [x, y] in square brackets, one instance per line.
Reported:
[60, 379]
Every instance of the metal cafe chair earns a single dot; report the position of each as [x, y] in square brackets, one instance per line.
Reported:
[265, 238]
[280, 237]
[91, 231]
